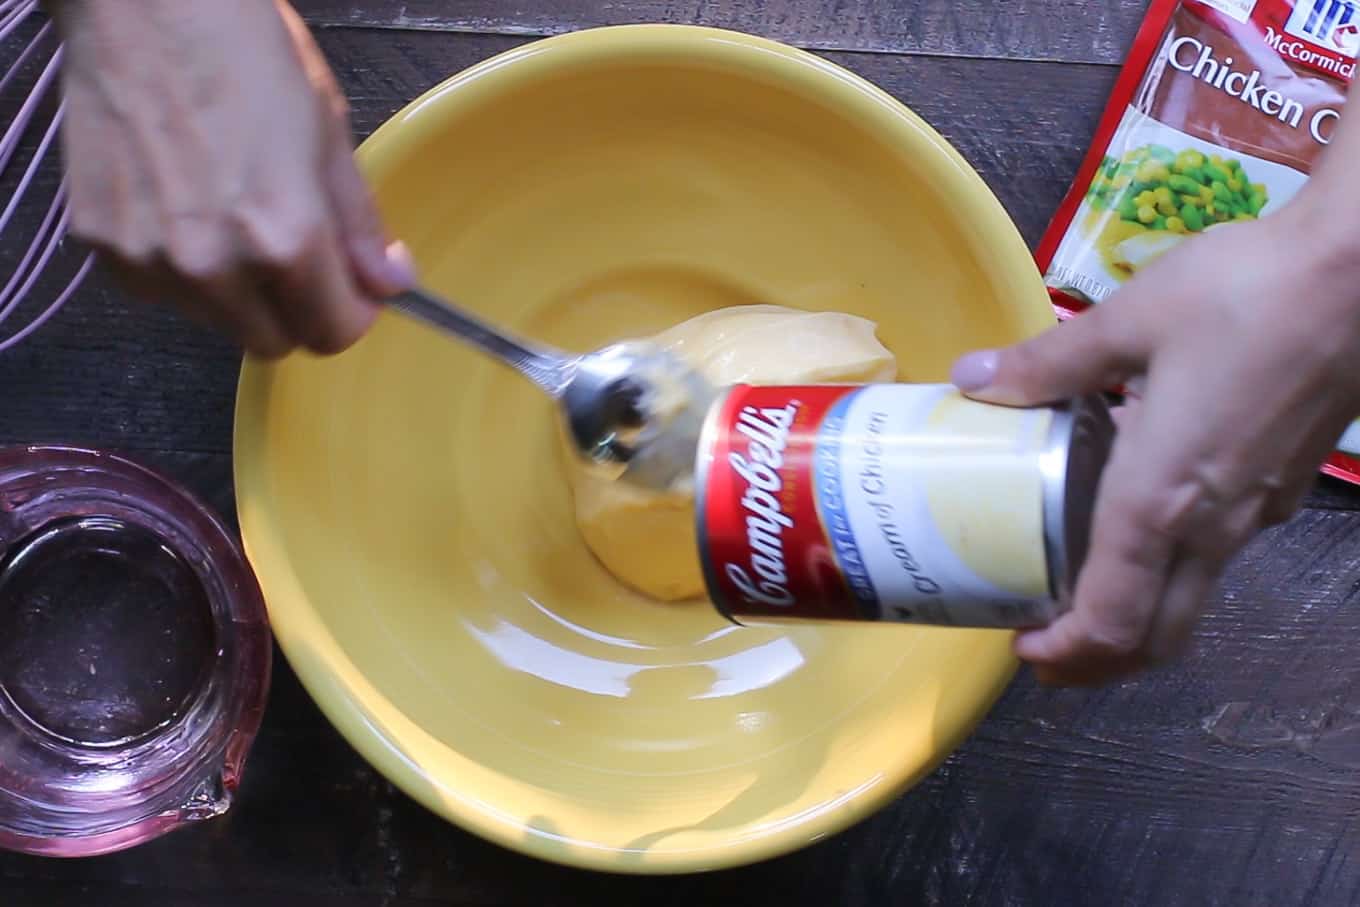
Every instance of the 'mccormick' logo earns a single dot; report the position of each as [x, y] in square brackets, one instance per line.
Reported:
[1330, 24]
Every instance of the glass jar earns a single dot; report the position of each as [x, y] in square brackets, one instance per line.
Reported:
[135, 655]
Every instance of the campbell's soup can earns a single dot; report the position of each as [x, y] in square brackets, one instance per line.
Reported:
[895, 502]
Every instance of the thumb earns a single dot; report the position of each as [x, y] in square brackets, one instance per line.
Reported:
[1093, 352]
[382, 269]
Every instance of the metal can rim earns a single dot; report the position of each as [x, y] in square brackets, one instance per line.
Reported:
[1085, 427]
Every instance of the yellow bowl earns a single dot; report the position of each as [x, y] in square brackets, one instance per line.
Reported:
[404, 506]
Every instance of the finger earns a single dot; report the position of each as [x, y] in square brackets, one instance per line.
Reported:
[233, 304]
[315, 298]
[1105, 633]
[1303, 471]
[1187, 594]
[225, 304]
[1283, 504]
[236, 313]
[1120, 586]
[381, 269]
[1097, 350]
[312, 60]
[1079, 666]
[1169, 515]
[151, 281]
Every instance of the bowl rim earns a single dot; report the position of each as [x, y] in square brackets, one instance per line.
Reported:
[358, 711]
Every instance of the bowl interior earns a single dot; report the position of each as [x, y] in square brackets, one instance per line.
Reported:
[404, 503]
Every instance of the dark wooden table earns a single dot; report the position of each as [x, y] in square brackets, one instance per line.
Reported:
[1230, 778]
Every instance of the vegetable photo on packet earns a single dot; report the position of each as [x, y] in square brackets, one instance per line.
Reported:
[1212, 269]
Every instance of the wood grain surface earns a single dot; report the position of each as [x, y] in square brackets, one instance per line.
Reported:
[1228, 778]
[1069, 31]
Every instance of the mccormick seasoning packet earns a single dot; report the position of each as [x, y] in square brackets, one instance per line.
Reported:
[1217, 117]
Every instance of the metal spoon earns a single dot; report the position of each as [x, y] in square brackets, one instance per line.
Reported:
[631, 409]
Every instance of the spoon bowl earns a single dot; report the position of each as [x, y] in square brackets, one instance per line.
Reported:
[631, 409]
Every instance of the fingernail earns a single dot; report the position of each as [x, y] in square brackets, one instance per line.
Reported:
[401, 266]
[975, 371]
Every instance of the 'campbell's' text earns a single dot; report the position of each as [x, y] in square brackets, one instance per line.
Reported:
[767, 431]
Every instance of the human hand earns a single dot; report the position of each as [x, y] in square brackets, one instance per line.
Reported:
[210, 161]
[1240, 349]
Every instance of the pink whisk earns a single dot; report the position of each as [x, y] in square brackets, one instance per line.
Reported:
[30, 55]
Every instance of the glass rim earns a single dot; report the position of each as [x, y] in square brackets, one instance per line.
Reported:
[73, 800]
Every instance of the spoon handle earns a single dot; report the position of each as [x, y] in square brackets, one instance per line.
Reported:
[550, 369]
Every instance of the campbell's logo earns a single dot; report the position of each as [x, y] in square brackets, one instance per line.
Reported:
[1330, 24]
[767, 433]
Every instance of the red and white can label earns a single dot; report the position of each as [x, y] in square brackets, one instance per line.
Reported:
[882, 502]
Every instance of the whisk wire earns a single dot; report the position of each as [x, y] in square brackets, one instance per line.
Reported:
[56, 213]
[11, 11]
[39, 251]
[9, 142]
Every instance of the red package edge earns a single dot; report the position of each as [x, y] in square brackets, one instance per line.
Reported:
[1145, 44]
